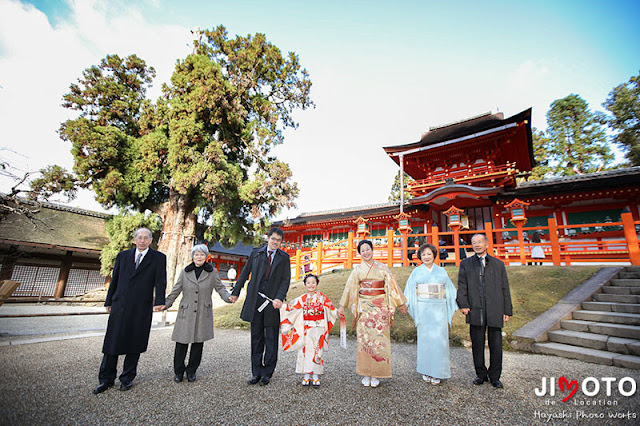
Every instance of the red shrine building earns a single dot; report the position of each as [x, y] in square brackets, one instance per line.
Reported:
[471, 175]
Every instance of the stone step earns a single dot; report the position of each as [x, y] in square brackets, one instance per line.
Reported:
[609, 289]
[617, 330]
[627, 308]
[623, 346]
[612, 317]
[631, 269]
[625, 282]
[595, 341]
[616, 298]
[629, 275]
[587, 354]
[579, 338]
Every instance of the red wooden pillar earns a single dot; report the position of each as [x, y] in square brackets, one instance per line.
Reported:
[554, 240]
[488, 230]
[523, 254]
[435, 239]
[390, 247]
[319, 260]
[631, 237]
[350, 251]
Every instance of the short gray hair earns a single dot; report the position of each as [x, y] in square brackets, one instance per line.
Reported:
[202, 248]
[135, 234]
[484, 237]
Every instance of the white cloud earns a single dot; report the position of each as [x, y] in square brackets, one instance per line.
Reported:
[38, 62]
[371, 91]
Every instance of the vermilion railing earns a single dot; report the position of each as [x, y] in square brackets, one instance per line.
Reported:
[463, 175]
[562, 245]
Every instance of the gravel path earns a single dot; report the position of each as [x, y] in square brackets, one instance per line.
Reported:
[51, 383]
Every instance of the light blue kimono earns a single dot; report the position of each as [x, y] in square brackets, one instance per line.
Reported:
[432, 316]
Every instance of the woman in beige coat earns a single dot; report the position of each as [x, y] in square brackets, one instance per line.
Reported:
[194, 324]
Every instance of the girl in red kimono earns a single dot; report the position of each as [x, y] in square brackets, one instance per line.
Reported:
[306, 323]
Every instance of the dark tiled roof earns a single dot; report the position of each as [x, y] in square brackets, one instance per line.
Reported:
[462, 128]
[609, 179]
[238, 250]
[57, 225]
[477, 191]
[341, 214]
[454, 140]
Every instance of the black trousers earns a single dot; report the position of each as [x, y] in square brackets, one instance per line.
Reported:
[494, 334]
[264, 346]
[109, 364]
[195, 356]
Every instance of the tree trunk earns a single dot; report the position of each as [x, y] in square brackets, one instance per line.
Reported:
[178, 233]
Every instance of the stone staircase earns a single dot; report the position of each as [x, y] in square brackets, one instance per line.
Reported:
[606, 330]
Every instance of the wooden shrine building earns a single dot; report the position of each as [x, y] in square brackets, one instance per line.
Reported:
[471, 175]
[57, 254]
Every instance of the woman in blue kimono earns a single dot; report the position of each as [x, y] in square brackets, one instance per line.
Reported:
[431, 299]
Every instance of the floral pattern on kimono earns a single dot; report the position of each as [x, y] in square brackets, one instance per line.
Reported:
[373, 315]
[306, 323]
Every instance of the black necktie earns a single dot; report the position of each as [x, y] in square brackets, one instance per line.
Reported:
[269, 259]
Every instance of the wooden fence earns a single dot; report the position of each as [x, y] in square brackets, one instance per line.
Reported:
[562, 245]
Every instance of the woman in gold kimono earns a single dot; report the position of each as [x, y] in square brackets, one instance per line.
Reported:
[373, 295]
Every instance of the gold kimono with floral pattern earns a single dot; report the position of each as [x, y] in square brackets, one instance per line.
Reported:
[373, 314]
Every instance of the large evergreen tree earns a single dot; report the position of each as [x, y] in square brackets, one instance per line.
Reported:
[203, 150]
[395, 188]
[577, 140]
[541, 154]
[624, 103]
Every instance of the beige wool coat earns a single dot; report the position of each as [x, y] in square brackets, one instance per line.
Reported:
[195, 314]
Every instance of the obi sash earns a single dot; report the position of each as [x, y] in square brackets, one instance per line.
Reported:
[430, 291]
[371, 288]
[315, 316]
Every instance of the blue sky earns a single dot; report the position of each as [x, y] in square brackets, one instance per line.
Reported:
[383, 72]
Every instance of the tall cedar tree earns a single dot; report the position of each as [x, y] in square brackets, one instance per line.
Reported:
[395, 188]
[577, 141]
[624, 103]
[203, 150]
[541, 154]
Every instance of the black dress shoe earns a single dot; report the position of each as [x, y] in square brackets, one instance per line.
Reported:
[254, 380]
[102, 387]
[126, 386]
[265, 381]
[480, 380]
[178, 378]
[497, 384]
[191, 377]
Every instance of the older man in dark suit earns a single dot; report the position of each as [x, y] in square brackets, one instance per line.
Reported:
[485, 299]
[270, 275]
[137, 273]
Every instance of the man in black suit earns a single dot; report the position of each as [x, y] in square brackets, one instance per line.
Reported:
[484, 298]
[270, 275]
[130, 303]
